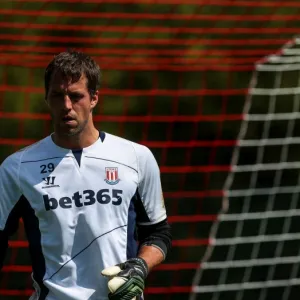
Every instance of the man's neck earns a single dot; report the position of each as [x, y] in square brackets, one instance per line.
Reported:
[79, 141]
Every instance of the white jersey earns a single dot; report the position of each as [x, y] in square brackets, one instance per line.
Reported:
[79, 210]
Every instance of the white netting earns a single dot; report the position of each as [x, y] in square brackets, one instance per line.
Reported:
[255, 243]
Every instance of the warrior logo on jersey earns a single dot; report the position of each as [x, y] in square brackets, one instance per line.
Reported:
[111, 176]
[50, 182]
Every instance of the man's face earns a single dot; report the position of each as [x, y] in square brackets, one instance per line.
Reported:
[70, 104]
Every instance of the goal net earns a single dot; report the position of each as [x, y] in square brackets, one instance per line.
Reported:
[176, 78]
[254, 248]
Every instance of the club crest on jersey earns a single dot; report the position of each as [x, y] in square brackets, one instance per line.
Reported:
[112, 176]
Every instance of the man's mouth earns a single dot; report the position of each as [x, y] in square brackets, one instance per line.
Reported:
[68, 120]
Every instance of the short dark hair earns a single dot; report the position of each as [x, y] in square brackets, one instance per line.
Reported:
[72, 64]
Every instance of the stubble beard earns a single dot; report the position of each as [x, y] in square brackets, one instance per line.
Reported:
[60, 130]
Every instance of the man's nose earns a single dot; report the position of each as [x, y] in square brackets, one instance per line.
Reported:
[67, 103]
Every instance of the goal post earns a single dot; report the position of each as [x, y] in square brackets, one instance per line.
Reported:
[258, 226]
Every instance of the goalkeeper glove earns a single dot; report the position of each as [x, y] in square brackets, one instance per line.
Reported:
[126, 280]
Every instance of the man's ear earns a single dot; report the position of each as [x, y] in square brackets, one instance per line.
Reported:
[94, 100]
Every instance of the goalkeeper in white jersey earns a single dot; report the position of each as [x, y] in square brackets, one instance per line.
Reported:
[91, 202]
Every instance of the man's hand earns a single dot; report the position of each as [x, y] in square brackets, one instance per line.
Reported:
[126, 280]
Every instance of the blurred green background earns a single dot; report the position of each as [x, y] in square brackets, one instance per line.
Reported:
[175, 78]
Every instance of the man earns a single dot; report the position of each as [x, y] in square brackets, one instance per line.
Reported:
[84, 196]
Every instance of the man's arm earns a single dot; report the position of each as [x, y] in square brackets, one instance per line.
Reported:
[151, 255]
[11, 227]
[153, 230]
[155, 242]
[10, 211]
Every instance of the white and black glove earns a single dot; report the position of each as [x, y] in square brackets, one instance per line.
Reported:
[126, 280]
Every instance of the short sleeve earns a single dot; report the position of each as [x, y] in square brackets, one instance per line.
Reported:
[149, 188]
[9, 187]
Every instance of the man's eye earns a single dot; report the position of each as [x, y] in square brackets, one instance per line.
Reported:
[75, 97]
